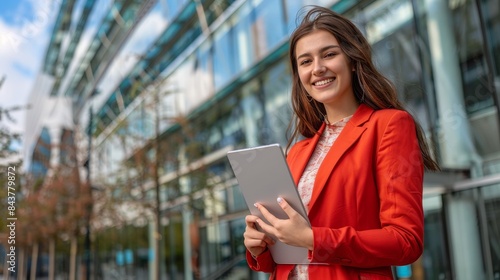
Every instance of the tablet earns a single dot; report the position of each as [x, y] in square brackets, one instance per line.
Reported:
[263, 175]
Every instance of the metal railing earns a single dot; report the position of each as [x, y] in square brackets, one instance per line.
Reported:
[225, 269]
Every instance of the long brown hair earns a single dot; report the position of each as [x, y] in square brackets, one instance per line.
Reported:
[369, 85]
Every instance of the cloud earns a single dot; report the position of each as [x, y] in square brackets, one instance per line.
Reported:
[141, 39]
[147, 31]
[23, 40]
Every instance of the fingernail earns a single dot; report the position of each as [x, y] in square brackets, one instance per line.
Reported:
[279, 199]
[256, 206]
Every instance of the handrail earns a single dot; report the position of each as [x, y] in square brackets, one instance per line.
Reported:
[476, 182]
[440, 183]
[226, 268]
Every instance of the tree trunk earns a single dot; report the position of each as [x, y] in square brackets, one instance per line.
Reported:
[34, 261]
[52, 258]
[6, 272]
[20, 269]
[158, 232]
[72, 262]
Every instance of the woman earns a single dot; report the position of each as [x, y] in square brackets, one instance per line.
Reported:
[359, 170]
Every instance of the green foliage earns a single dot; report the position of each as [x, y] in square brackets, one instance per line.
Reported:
[7, 138]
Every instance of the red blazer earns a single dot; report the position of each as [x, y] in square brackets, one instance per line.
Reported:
[366, 206]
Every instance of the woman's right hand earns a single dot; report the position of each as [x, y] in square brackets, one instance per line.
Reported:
[256, 242]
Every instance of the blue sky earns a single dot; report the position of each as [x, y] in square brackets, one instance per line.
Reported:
[24, 33]
[7, 8]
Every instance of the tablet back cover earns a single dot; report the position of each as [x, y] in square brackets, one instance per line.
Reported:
[263, 175]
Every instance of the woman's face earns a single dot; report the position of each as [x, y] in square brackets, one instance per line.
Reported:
[324, 70]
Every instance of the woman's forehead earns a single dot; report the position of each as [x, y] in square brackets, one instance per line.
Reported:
[315, 41]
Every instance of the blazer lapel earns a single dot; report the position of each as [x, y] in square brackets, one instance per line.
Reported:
[300, 163]
[349, 135]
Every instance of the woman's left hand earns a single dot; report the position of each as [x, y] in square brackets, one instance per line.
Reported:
[293, 231]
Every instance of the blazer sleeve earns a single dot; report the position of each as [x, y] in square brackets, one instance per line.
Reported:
[399, 182]
[263, 262]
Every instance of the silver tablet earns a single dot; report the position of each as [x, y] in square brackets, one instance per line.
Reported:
[263, 175]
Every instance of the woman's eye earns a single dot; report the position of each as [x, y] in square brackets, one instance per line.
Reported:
[305, 61]
[329, 54]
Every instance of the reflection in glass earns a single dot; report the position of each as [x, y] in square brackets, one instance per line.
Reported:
[491, 17]
[434, 263]
[491, 196]
[477, 91]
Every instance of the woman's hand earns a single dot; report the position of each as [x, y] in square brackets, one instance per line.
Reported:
[255, 241]
[293, 231]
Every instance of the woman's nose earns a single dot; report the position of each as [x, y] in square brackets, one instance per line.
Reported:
[318, 69]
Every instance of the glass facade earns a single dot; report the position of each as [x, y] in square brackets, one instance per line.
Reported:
[197, 93]
[41, 156]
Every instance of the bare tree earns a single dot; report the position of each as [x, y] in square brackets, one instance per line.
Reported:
[145, 173]
[55, 207]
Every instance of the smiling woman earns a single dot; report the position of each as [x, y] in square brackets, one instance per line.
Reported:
[364, 199]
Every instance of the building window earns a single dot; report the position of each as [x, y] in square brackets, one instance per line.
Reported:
[478, 92]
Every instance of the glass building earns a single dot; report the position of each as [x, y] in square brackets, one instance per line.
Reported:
[213, 76]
